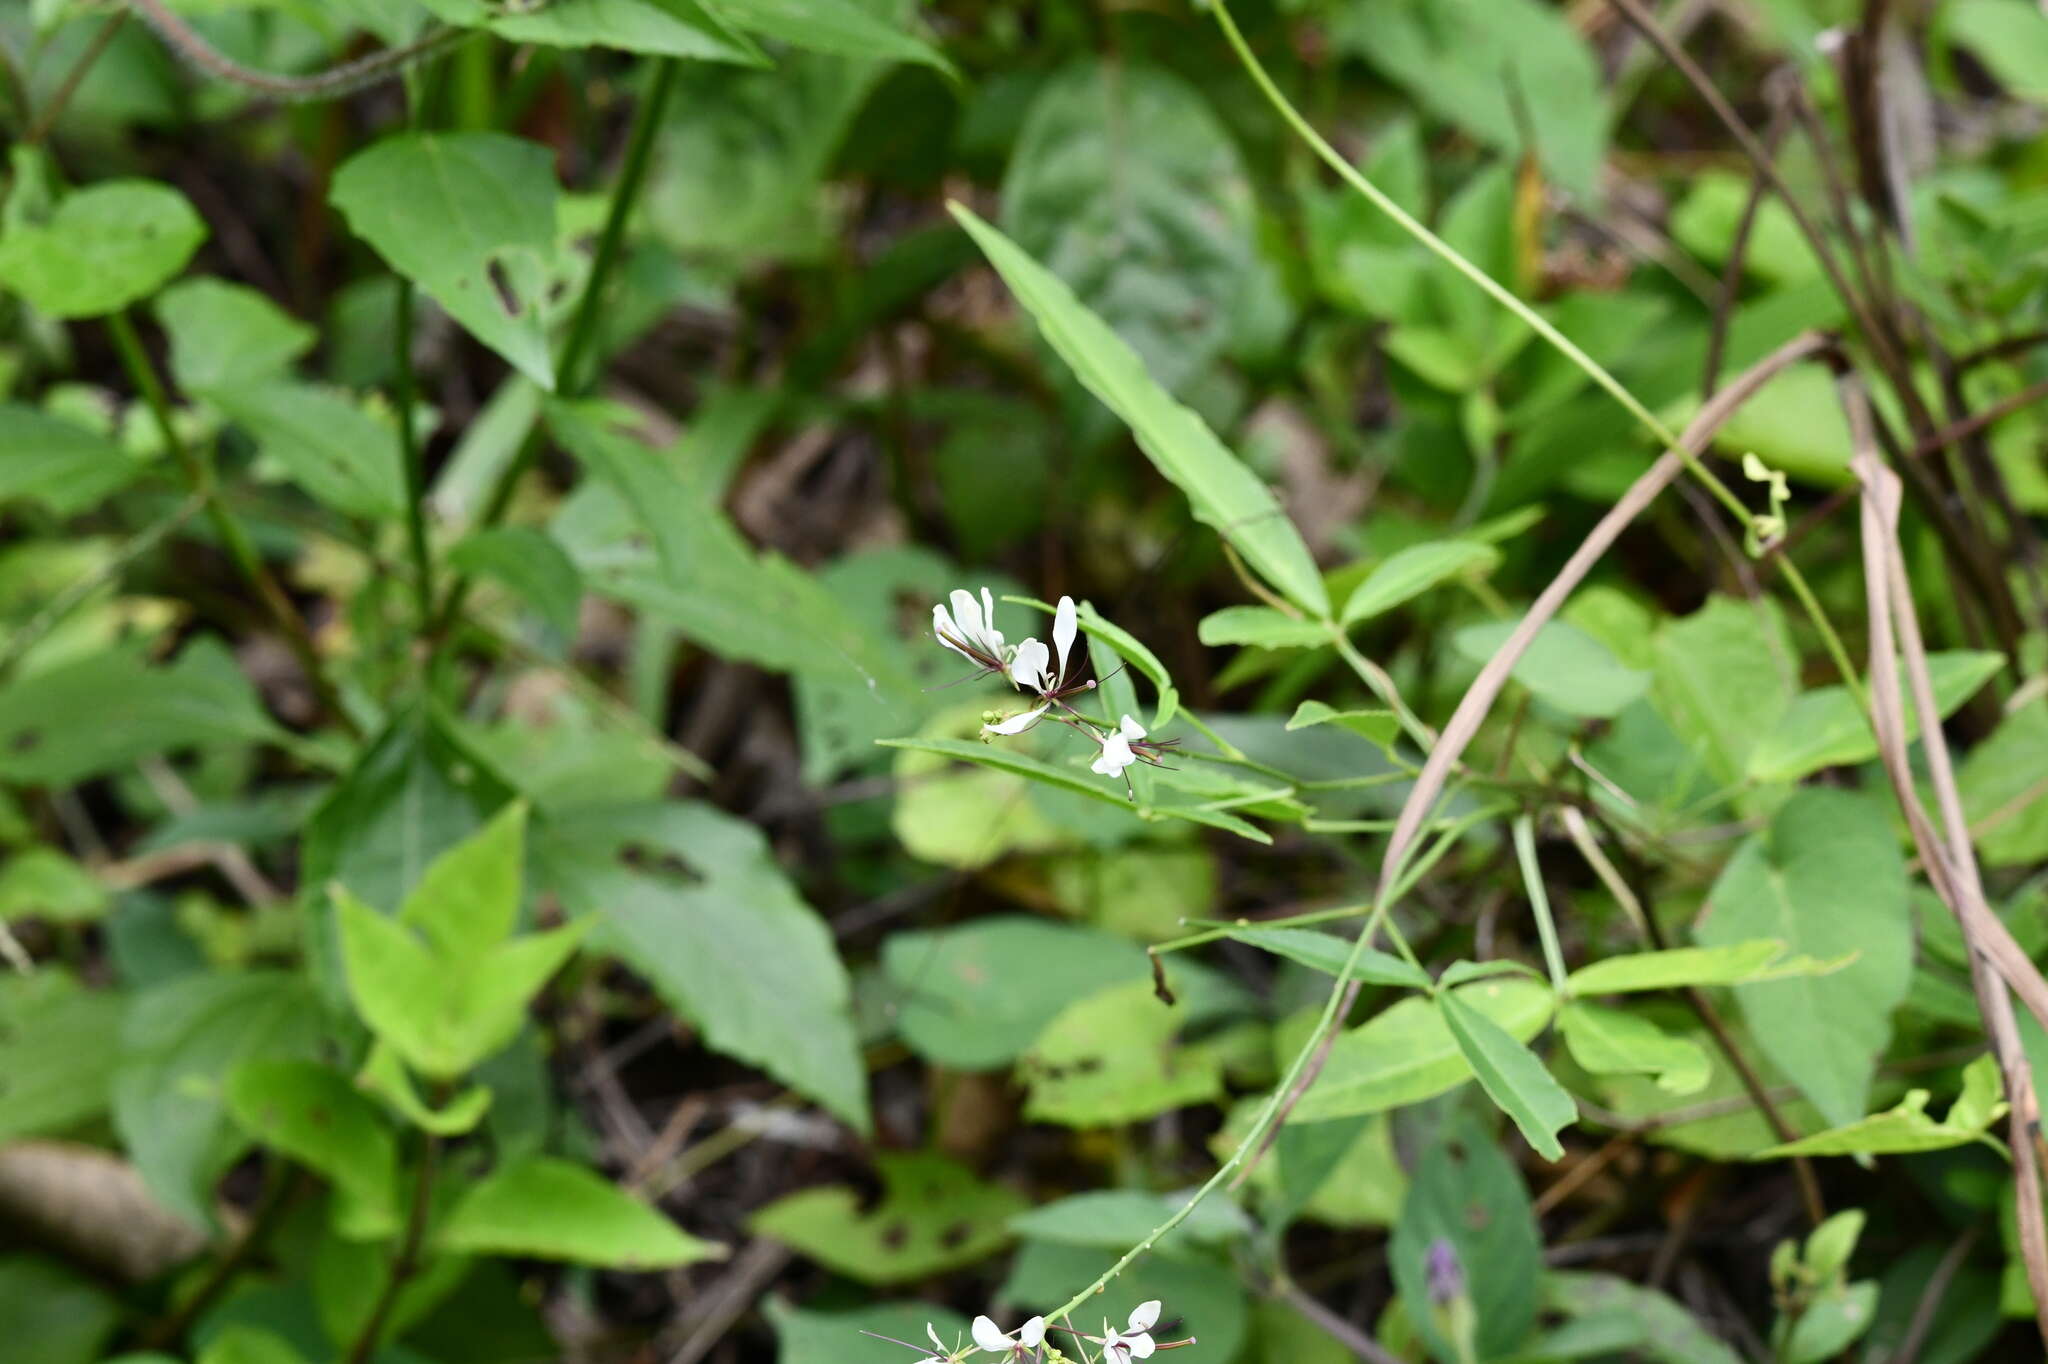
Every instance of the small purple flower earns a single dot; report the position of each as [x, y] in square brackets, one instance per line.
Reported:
[1446, 1276]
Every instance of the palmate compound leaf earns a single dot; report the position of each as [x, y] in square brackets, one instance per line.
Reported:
[933, 1216]
[1826, 878]
[1222, 491]
[551, 1209]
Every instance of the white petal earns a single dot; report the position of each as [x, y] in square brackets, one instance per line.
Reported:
[1064, 623]
[988, 1337]
[933, 1332]
[1131, 729]
[1031, 1333]
[1027, 669]
[1139, 1347]
[1145, 1313]
[1116, 756]
[988, 616]
[946, 632]
[1017, 724]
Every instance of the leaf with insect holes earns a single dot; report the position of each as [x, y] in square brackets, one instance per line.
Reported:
[470, 219]
[933, 1216]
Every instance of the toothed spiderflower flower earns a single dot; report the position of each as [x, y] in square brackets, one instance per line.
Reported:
[1135, 1340]
[1034, 668]
[1020, 1344]
[969, 630]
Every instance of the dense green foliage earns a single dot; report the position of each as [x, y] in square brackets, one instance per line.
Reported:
[683, 678]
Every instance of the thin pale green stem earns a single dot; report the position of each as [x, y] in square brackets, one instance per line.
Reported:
[1539, 899]
[1375, 677]
[1796, 580]
[410, 456]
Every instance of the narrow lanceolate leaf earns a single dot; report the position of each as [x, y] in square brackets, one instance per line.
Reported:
[1261, 627]
[1511, 1076]
[1326, 952]
[1223, 493]
[470, 218]
[1733, 964]
[1413, 571]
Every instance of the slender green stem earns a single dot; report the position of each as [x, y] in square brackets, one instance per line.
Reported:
[1375, 677]
[1796, 580]
[1539, 899]
[142, 373]
[406, 1262]
[410, 457]
[583, 326]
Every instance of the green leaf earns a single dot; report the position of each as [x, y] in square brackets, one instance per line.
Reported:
[1111, 1058]
[103, 248]
[1564, 666]
[693, 900]
[1116, 1219]
[1826, 728]
[314, 1115]
[180, 1042]
[933, 1216]
[2003, 792]
[2010, 39]
[1724, 676]
[807, 1337]
[1383, 727]
[226, 335]
[1731, 964]
[1668, 1334]
[670, 28]
[107, 710]
[64, 466]
[531, 564]
[1327, 953]
[1609, 1041]
[1045, 1274]
[1467, 1192]
[1406, 1053]
[241, 1344]
[470, 219]
[325, 443]
[841, 28]
[54, 1055]
[1262, 627]
[1223, 493]
[1409, 573]
[1906, 1128]
[1511, 1075]
[384, 1075]
[1826, 878]
[44, 883]
[1829, 1325]
[1716, 204]
[548, 1209]
[54, 1315]
[467, 900]
[1127, 187]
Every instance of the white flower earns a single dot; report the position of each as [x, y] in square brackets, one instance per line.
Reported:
[1025, 1340]
[1017, 724]
[1135, 1340]
[940, 1354]
[1032, 668]
[970, 629]
[1116, 749]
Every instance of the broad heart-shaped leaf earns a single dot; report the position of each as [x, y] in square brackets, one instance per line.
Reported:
[1723, 678]
[77, 720]
[325, 443]
[1409, 573]
[1328, 953]
[670, 28]
[1222, 492]
[468, 900]
[1732, 964]
[531, 564]
[1826, 728]
[933, 1216]
[103, 248]
[807, 1337]
[443, 1010]
[64, 466]
[1563, 666]
[692, 899]
[224, 334]
[314, 1115]
[961, 1002]
[1124, 185]
[1262, 627]
[180, 1042]
[1407, 1053]
[1511, 1075]
[1112, 1058]
[470, 218]
[548, 1209]
[1467, 1192]
[1906, 1128]
[1609, 1041]
[1826, 877]
[54, 1052]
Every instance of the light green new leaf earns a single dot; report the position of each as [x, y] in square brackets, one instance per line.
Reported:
[1907, 1128]
[1409, 573]
[1827, 879]
[1732, 964]
[933, 1216]
[530, 563]
[225, 335]
[1511, 1075]
[1610, 1041]
[64, 466]
[314, 1115]
[103, 248]
[1327, 953]
[548, 1209]
[467, 901]
[1406, 1053]
[1563, 666]
[470, 218]
[1826, 728]
[1222, 492]
[1261, 627]
[245, 1344]
[325, 443]
[396, 982]
[384, 1075]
